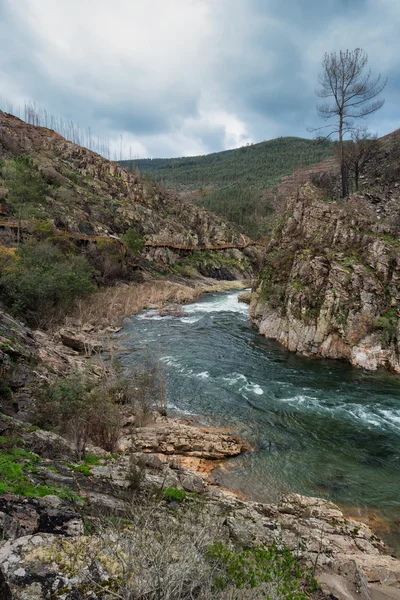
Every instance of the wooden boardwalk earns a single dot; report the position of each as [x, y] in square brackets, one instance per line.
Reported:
[24, 225]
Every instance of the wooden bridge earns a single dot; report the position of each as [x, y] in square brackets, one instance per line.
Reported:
[24, 226]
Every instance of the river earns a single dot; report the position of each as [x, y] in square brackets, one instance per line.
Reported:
[319, 427]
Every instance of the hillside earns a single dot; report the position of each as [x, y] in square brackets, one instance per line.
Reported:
[52, 188]
[86, 193]
[241, 184]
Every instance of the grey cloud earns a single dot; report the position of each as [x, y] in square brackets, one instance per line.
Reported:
[256, 63]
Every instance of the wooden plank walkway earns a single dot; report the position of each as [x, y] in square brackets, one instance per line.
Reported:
[28, 225]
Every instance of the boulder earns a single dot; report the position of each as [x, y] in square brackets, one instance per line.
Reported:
[245, 297]
[80, 342]
[27, 516]
[171, 437]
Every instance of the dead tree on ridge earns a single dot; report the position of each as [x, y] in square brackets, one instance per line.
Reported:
[350, 92]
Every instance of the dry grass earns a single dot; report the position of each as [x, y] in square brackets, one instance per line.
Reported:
[111, 305]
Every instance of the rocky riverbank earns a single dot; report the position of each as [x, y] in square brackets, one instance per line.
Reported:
[30, 358]
[68, 526]
[347, 558]
[329, 284]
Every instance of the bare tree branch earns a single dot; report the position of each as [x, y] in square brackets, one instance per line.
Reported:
[350, 94]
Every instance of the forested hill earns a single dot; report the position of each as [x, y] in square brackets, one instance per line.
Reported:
[239, 184]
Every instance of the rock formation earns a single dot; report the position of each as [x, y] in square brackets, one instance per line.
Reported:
[45, 549]
[329, 285]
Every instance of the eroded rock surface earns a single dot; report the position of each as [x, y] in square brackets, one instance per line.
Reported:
[173, 437]
[330, 283]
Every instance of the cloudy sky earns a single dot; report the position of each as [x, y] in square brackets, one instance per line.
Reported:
[183, 77]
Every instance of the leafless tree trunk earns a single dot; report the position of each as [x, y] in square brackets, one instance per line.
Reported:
[350, 93]
[358, 153]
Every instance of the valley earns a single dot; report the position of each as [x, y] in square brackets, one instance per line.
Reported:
[138, 395]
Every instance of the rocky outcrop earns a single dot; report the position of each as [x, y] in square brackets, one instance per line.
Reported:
[45, 552]
[30, 358]
[28, 516]
[347, 559]
[168, 436]
[329, 286]
[79, 342]
[245, 297]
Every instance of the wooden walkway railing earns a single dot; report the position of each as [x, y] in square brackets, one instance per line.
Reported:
[28, 226]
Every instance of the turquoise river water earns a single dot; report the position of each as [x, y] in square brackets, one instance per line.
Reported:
[318, 427]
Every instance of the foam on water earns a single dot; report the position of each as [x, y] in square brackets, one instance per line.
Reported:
[218, 303]
[247, 385]
[333, 428]
[195, 312]
[365, 414]
[151, 314]
[203, 375]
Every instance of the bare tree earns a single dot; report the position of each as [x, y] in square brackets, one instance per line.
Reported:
[352, 92]
[362, 150]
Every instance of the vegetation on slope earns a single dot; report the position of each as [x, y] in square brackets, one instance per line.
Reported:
[65, 212]
[233, 183]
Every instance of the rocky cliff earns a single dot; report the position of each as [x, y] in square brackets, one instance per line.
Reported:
[329, 285]
[85, 193]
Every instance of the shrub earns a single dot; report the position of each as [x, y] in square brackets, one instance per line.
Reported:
[328, 182]
[275, 568]
[145, 391]
[105, 419]
[75, 406]
[172, 494]
[8, 257]
[174, 555]
[43, 229]
[64, 405]
[26, 187]
[133, 240]
[188, 271]
[107, 261]
[388, 322]
[136, 474]
[42, 278]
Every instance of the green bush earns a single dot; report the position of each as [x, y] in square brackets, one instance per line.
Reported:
[172, 494]
[274, 567]
[107, 261]
[388, 322]
[133, 240]
[41, 278]
[43, 229]
[26, 187]
[382, 323]
[185, 271]
[81, 410]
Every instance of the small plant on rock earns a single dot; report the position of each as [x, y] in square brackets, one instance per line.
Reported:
[172, 494]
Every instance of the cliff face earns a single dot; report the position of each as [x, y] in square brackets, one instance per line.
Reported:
[329, 285]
